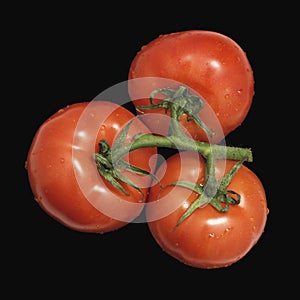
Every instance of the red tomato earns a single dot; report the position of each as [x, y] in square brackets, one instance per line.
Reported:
[207, 238]
[63, 175]
[211, 64]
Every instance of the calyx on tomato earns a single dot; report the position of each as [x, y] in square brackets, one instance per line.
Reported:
[180, 101]
[221, 197]
[110, 169]
[109, 159]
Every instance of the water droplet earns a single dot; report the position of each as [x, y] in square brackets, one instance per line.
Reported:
[26, 165]
[219, 46]
[226, 96]
[211, 235]
[38, 198]
[62, 160]
[103, 127]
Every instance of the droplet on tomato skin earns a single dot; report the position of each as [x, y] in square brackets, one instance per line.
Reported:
[219, 46]
[103, 127]
[221, 235]
[228, 229]
[238, 59]
[38, 198]
[252, 220]
[62, 160]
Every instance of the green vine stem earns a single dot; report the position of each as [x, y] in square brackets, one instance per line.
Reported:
[109, 159]
[181, 102]
[174, 142]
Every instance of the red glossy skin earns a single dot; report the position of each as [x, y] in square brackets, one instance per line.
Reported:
[61, 155]
[208, 238]
[208, 62]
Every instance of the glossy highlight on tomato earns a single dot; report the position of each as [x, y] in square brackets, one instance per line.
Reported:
[208, 62]
[207, 238]
[64, 177]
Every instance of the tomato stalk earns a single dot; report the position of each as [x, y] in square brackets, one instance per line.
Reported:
[174, 142]
[109, 160]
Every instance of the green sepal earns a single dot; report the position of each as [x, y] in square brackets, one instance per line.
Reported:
[134, 169]
[220, 201]
[108, 174]
[113, 176]
[198, 188]
[225, 198]
[199, 202]
[185, 103]
[121, 177]
[121, 137]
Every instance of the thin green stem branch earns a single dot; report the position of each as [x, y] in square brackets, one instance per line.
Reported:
[180, 143]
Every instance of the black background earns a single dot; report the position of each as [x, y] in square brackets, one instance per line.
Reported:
[67, 55]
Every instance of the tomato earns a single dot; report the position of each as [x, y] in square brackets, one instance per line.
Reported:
[63, 175]
[207, 238]
[210, 64]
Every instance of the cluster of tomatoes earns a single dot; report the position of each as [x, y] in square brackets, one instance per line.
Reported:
[67, 185]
